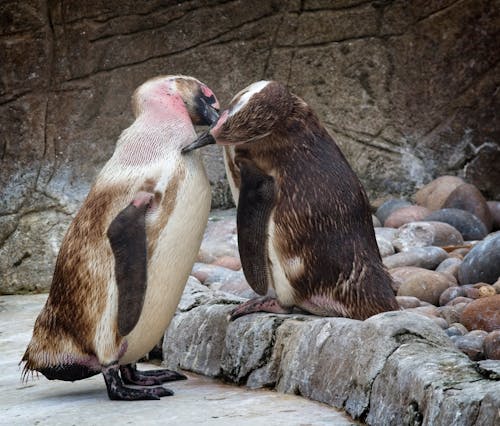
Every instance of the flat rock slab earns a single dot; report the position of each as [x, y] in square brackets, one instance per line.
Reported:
[395, 368]
[199, 400]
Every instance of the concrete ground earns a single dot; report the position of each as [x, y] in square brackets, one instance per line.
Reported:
[197, 401]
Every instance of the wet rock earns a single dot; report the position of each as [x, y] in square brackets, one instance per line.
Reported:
[492, 345]
[421, 283]
[385, 210]
[407, 302]
[494, 207]
[450, 266]
[221, 238]
[468, 197]
[469, 225]
[404, 215]
[422, 234]
[482, 314]
[482, 263]
[385, 247]
[434, 194]
[471, 344]
[423, 257]
[449, 294]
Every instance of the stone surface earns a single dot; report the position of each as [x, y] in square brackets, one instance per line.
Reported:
[434, 194]
[468, 224]
[198, 400]
[467, 197]
[471, 344]
[482, 263]
[390, 206]
[449, 294]
[422, 234]
[418, 282]
[385, 247]
[398, 360]
[482, 314]
[449, 266]
[492, 345]
[401, 115]
[424, 257]
[408, 302]
[406, 214]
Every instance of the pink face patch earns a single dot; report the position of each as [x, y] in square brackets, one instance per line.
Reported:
[208, 93]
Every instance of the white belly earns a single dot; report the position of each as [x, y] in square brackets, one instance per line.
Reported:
[229, 157]
[171, 263]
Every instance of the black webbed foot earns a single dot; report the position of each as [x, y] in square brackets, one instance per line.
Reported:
[117, 391]
[132, 376]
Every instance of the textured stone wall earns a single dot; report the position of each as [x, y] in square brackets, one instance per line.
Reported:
[408, 89]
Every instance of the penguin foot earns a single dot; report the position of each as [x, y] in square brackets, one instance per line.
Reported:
[116, 390]
[132, 376]
[259, 304]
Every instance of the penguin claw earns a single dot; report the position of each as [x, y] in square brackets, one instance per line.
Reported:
[118, 392]
[132, 376]
[258, 304]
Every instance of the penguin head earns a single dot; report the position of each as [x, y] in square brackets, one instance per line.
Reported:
[256, 112]
[179, 94]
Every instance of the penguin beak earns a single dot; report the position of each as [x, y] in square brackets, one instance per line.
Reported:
[207, 113]
[204, 139]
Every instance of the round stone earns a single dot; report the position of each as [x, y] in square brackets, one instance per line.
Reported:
[386, 233]
[482, 314]
[468, 197]
[471, 344]
[376, 223]
[422, 257]
[452, 313]
[421, 283]
[434, 194]
[385, 247]
[482, 263]
[494, 207]
[456, 329]
[422, 234]
[491, 345]
[384, 211]
[405, 215]
[460, 299]
[449, 266]
[408, 302]
[449, 294]
[229, 262]
[469, 225]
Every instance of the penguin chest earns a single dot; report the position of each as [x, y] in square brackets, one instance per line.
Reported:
[173, 243]
[283, 270]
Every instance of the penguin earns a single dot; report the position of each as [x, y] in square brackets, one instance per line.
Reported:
[126, 256]
[305, 233]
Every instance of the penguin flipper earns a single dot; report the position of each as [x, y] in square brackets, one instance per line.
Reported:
[255, 204]
[127, 236]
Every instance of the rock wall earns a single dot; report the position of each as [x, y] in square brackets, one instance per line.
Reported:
[395, 368]
[408, 89]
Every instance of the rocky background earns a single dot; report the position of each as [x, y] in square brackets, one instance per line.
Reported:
[408, 89]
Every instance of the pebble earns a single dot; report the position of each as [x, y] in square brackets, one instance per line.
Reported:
[460, 299]
[496, 286]
[385, 247]
[482, 263]
[375, 221]
[451, 313]
[456, 329]
[386, 233]
[406, 214]
[408, 302]
[384, 211]
[494, 207]
[471, 344]
[460, 253]
[434, 194]
[423, 257]
[482, 314]
[220, 238]
[229, 262]
[449, 266]
[422, 234]
[469, 225]
[421, 283]
[492, 345]
[449, 294]
[468, 197]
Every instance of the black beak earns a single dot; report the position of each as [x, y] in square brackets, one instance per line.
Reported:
[207, 113]
[204, 139]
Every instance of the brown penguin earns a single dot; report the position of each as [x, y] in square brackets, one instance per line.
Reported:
[304, 223]
[126, 256]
